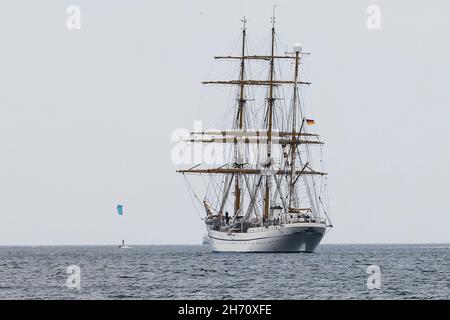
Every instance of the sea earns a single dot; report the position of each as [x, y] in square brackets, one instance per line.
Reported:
[194, 272]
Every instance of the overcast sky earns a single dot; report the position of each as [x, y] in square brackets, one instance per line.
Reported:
[86, 116]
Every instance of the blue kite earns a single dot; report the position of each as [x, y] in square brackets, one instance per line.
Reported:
[120, 209]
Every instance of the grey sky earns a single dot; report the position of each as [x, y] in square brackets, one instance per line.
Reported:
[86, 116]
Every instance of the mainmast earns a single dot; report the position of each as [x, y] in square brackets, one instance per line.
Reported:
[270, 102]
[240, 120]
[271, 99]
[297, 49]
[242, 99]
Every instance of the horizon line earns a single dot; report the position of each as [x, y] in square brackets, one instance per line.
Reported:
[200, 244]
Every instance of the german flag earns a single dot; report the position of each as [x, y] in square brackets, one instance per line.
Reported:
[310, 122]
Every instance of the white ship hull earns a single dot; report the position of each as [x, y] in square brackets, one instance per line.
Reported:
[293, 237]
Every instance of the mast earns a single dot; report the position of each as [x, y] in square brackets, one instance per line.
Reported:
[297, 50]
[270, 102]
[242, 99]
[240, 119]
[271, 99]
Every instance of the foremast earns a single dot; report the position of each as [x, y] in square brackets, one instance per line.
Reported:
[240, 123]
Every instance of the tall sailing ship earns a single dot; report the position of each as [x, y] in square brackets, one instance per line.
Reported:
[267, 195]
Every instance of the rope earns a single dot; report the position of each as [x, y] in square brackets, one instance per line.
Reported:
[190, 194]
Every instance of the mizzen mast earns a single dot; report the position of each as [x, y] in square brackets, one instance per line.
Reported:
[297, 49]
[240, 121]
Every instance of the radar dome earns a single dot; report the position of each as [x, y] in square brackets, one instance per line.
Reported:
[297, 47]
